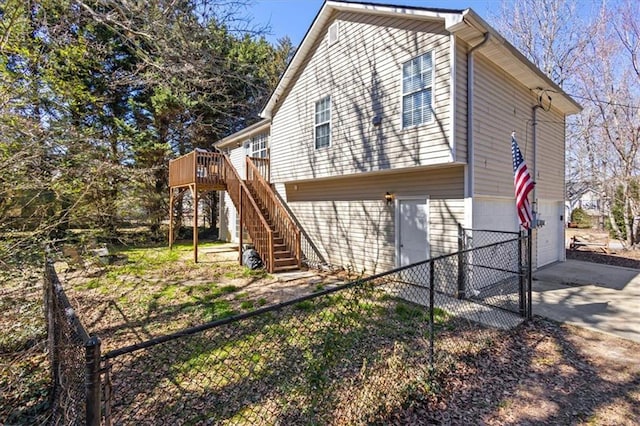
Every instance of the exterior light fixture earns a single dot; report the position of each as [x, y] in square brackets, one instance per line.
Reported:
[388, 198]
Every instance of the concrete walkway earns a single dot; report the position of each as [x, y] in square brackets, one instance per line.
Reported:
[600, 297]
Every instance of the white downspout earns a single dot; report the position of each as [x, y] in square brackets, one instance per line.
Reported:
[469, 183]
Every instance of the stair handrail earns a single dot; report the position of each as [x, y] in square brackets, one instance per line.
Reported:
[267, 247]
[282, 219]
[320, 261]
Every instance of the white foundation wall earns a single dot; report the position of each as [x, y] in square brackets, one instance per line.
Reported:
[499, 214]
[495, 214]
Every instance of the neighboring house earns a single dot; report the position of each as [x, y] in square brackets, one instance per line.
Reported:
[391, 126]
[592, 202]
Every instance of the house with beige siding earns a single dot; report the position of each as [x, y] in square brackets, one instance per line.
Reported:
[391, 126]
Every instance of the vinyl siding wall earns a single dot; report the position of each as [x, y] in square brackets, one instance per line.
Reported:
[229, 220]
[353, 226]
[501, 105]
[361, 72]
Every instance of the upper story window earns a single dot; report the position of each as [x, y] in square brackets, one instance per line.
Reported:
[417, 89]
[259, 145]
[322, 133]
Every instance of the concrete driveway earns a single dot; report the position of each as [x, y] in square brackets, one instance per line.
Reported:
[591, 295]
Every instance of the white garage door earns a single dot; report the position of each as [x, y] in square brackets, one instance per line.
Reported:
[550, 241]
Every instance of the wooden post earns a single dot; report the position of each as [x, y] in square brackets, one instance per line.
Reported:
[195, 223]
[241, 225]
[171, 200]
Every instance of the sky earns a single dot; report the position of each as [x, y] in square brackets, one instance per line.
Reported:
[293, 17]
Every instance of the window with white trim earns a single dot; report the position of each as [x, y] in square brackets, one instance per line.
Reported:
[322, 128]
[417, 89]
[259, 145]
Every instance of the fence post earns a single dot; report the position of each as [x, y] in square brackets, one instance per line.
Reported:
[52, 329]
[431, 304]
[522, 246]
[461, 273]
[92, 381]
[107, 393]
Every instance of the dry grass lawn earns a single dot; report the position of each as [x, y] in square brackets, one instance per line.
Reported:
[540, 373]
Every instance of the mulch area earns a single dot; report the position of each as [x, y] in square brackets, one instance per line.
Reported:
[624, 258]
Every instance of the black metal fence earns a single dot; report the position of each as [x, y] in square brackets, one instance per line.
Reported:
[495, 268]
[74, 357]
[349, 354]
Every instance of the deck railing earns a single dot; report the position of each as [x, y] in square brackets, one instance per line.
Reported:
[263, 166]
[250, 215]
[197, 167]
[280, 217]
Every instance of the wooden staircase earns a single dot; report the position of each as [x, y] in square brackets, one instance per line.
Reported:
[286, 243]
[272, 230]
[284, 257]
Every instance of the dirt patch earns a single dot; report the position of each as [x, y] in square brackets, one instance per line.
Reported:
[152, 292]
[555, 374]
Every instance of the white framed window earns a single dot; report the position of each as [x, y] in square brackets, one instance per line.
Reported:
[322, 128]
[417, 90]
[259, 144]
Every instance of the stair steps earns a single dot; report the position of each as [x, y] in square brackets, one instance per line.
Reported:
[284, 260]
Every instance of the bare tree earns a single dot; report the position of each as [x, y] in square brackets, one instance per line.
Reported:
[594, 54]
[611, 83]
[549, 32]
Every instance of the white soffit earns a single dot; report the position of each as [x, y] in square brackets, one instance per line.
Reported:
[244, 134]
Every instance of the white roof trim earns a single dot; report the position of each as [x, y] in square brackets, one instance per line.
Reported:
[509, 58]
[248, 132]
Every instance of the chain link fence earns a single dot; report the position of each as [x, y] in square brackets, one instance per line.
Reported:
[351, 354]
[491, 263]
[74, 358]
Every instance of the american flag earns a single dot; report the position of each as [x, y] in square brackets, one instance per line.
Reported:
[523, 185]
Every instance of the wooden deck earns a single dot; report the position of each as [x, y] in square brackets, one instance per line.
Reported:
[199, 168]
